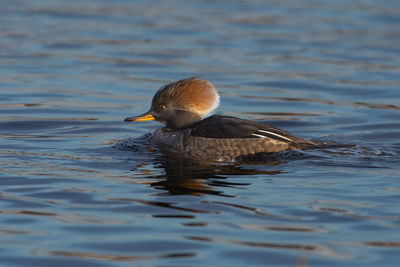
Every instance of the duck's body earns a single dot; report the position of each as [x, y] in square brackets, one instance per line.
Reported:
[224, 138]
[217, 138]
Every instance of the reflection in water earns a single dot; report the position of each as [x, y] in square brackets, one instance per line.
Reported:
[187, 176]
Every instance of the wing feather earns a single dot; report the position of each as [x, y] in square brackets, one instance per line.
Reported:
[230, 127]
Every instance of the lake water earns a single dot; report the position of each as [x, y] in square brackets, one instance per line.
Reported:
[79, 187]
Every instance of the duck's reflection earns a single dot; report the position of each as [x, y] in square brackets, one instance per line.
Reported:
[189, 177]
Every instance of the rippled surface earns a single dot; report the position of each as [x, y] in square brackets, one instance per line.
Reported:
[81, 187]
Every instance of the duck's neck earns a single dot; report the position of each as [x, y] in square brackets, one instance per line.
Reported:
[182, 118]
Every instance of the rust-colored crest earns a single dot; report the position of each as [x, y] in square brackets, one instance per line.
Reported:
[194, 94]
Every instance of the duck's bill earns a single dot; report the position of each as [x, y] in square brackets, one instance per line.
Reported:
[144, 117]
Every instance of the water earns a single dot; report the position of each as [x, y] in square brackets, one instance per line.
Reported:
[81, 187]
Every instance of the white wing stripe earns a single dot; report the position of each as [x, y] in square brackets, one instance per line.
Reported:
[278, 135]
[262, 136]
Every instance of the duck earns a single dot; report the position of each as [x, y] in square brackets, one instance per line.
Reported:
[182, 106]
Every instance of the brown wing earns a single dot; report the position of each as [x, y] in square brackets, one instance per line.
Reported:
[230, 127]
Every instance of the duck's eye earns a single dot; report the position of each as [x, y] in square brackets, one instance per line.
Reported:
[162, 107]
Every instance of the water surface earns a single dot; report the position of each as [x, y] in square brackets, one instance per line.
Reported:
[81, 187]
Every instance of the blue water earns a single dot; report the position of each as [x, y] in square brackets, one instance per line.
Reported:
[79, 187]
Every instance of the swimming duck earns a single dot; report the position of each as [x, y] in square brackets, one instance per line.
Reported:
[183, 104]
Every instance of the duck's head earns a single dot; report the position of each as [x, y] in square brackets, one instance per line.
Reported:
[181, 103]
